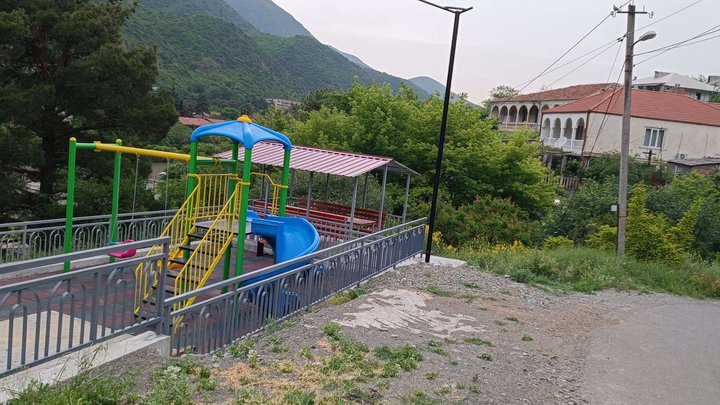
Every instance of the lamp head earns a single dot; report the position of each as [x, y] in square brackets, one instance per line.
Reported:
[647, 36]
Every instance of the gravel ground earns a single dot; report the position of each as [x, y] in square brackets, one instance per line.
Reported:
[483, 338]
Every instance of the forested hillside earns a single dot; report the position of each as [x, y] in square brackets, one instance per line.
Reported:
[267, 17]
[206, 48]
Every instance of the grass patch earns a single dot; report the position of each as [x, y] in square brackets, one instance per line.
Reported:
[432, 375]
[527, 338]
[347, 296]
[472, 286]
[478, 342]
[587, 270]
[419, 397]
[435, 290]
[486, 357]
[512, 319]
[407, 357]
[500, 323]
[82, 389]
[241, 349]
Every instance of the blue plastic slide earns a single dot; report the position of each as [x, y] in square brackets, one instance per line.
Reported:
[289, 237]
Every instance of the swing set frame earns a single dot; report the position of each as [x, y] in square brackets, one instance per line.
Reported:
[118, 149]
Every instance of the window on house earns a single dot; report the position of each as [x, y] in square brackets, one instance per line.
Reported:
[698, 96]
[654, 138]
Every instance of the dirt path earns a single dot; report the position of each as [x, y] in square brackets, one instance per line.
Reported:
[665, 354]
[482, 339]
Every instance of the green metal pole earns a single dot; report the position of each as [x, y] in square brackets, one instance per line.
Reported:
[115, 195]
[115, 198]
[192, 182]
[231, 191]
[67, 248]
[285, 181]
[242, 215]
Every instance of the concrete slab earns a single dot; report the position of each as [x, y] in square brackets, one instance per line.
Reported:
[434, 260]
[68, 366]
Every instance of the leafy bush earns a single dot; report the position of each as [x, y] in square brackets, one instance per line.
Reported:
[553, 242]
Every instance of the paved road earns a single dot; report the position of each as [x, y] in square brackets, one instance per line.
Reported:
[668, 354]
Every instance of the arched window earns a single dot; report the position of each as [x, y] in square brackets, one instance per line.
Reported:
[513, 114]
[546, 128]
[495, 113]
[503, 114]
[533, 115]
[557, 128]
[568, 133]
[523, 114]
[580, 130]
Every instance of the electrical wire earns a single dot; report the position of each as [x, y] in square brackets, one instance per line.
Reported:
[529, 82]
[583, 64]
[687, 42]
[547, 71]
[705, 33]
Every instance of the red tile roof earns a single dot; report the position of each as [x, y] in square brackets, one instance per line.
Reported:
[566, 93]
[647, 104]
[197, 122]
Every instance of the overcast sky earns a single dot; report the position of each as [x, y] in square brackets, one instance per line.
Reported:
[506, 42]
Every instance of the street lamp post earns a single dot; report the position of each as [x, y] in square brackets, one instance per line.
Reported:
[457, 11]
[625, 137]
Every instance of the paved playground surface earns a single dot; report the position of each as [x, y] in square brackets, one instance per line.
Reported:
[487, 339]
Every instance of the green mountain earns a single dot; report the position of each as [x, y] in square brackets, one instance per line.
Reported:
[268, 17]
[206, 47]
[431, 86]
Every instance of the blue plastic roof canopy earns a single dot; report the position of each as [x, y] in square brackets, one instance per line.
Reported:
[242, 130]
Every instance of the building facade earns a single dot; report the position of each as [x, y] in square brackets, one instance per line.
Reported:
[524, 110]
[680, 84]
[664, 126]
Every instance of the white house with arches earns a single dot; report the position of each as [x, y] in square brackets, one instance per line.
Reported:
[664, 126]
[524, 110]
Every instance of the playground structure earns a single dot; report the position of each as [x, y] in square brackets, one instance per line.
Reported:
[198, 280]
[214, 213]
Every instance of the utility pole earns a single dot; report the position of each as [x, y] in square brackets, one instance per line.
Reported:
[625, 138]
[457, 11]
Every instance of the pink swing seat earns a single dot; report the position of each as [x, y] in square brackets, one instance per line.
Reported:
[125, 253]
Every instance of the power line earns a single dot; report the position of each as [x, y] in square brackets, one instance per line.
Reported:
[676, 47]
[707, 32]
[568, 51]
[548, 70]
[668, 16]
[584, 63]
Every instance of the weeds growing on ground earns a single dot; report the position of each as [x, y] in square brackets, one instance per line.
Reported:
[588, 270]
[347, 295]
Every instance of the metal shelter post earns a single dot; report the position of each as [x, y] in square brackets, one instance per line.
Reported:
[309, 196]
[364, 204]
[352, 207]
[407, 195]
[382, 199]
[327, 187]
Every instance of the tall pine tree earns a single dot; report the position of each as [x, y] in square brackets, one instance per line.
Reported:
[66, 71]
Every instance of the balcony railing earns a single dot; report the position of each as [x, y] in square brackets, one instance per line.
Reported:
[512, 126]
[567, 145]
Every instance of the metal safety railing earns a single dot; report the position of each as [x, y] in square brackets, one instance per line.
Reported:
[215, 322]
[43, 318]
[34, 239]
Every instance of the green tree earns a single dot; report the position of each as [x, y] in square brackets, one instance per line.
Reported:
[230, 113]
[65, 71]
